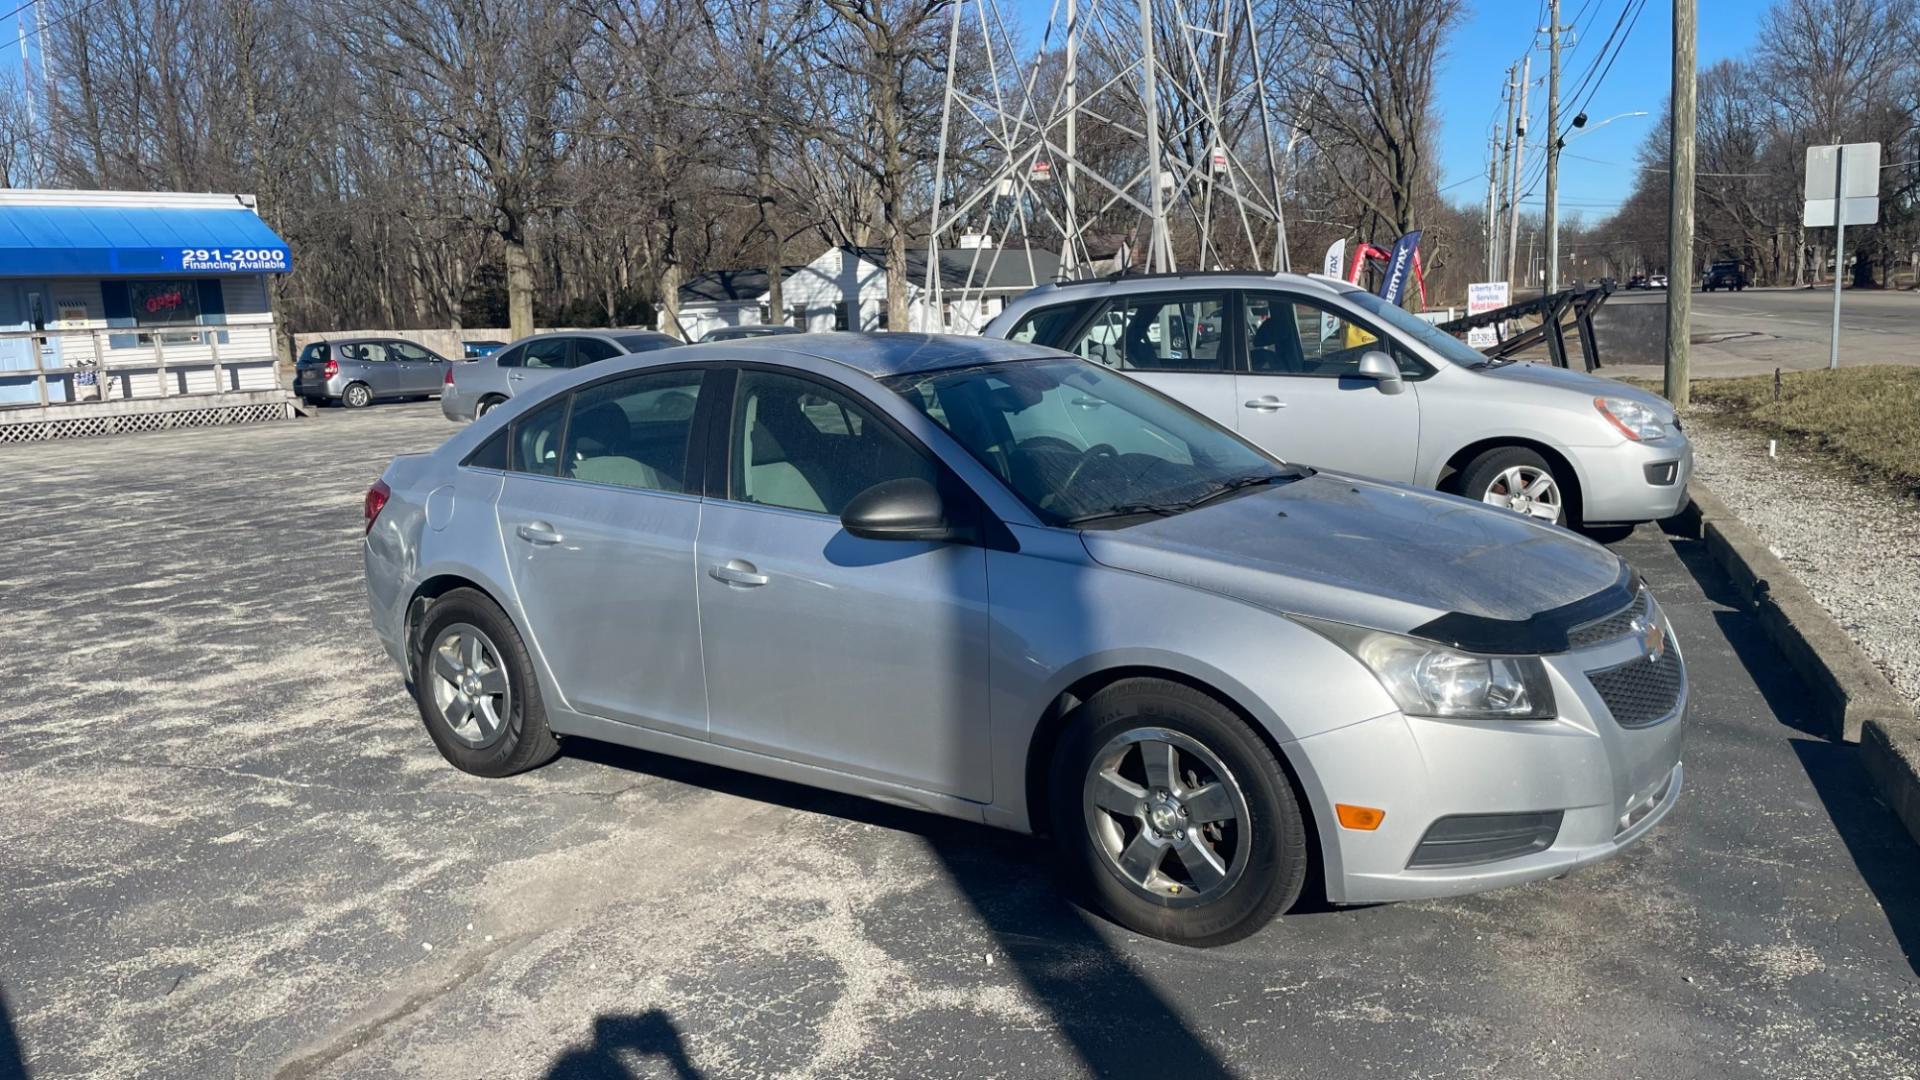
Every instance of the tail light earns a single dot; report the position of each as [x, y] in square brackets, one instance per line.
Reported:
[377, 497]
[449, 379]
[333, 368]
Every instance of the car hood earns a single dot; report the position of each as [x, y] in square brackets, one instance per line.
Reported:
[1579, 382]
[1380, 555]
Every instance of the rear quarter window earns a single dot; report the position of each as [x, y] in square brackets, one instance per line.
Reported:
[1048, 326]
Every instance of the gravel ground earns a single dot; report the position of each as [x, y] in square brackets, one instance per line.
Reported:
[1856, 544]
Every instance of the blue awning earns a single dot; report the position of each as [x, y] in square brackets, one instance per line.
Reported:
[136, 241]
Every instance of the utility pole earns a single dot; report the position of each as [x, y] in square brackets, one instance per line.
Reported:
[1506, 182]
[1680, 205]
[1493, 193]
[1553, 146]
[1519, 173]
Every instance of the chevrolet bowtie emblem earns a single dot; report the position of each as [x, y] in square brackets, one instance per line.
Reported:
[1653, 638]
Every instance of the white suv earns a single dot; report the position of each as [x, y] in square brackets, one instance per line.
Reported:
[1320, 372]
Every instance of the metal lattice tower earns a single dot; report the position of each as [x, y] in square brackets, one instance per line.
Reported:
[1150, 118]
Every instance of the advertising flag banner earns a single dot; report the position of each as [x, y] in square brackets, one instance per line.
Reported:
[1336, 258]
[1400, 268]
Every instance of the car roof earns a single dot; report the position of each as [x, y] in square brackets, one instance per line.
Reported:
[881, 355]
[1185, 280]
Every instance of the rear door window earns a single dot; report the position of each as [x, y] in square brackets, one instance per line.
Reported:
[633, 432]
[365, 352]
[537, 436]
[547, 353]
[1183, 332]
[588, 350]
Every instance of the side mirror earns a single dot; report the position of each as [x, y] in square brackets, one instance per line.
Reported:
[904, 509]
[1380, 367]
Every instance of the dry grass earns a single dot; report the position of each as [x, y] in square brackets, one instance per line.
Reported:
[1866, 416]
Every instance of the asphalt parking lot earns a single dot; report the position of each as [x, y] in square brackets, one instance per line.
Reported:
[227, 848]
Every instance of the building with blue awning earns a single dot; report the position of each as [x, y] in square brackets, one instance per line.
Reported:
[124, 296]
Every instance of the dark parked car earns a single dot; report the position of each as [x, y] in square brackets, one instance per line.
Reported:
[1637, 281]
[1725, 275]
[358, 371]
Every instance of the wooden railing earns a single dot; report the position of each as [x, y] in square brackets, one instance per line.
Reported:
[110, 365]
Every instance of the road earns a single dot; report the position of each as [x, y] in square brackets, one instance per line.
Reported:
[227, 848]
[1753, 331]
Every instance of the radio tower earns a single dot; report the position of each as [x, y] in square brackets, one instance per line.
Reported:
[1146, 122]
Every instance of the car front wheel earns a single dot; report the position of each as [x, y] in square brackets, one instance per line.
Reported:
[1518, 479]
[1174, 817]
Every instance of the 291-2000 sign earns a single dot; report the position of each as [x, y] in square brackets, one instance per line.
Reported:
[233, 258]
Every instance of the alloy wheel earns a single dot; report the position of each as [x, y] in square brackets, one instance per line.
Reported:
[1167, 814]
[469, 683]
[1526, 489]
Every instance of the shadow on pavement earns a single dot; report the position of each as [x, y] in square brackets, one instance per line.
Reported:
[13, 1060]
[1886, 856]
[1881, 850]
[621, 1036]
[1116, 1021]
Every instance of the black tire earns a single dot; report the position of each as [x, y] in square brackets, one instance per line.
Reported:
[1478, 477]
[488, 404]
[1273, 843]
[357, 396]
[523, 741]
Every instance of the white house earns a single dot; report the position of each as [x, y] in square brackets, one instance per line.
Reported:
[720, 298]
[846, 287]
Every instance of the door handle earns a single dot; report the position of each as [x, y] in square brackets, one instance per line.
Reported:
[1268, 403]
[737, 572]
[515, 376]
[539, 532]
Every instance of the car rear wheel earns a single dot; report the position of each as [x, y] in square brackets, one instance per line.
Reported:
[475, 686]
[487, 405]
[1517, 479]
[357, 396]
[1173, 817]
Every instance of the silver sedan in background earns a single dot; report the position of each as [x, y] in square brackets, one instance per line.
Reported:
[473, 388]
[996, 581]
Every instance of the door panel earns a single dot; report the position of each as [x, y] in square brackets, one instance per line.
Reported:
[1297, 399]
[540, 359]
[422, 371]
[867, 656]
[368, 362]
[604, 569]
[1178, 343]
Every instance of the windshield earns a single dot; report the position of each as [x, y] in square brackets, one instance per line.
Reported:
[1416, 328]
[1081, 444]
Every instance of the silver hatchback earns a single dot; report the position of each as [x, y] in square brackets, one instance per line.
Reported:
[1319, 371]
[356, 372]
[1002, 583]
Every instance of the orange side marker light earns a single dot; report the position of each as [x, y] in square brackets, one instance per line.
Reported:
[1363, 818]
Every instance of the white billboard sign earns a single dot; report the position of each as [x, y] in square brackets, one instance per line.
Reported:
[1846, 175]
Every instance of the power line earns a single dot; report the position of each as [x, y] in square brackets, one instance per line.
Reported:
[42, 28]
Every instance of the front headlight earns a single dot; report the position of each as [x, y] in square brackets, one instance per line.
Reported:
[1634, 420]
[1426, 679]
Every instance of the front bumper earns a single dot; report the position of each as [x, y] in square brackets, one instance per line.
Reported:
[1610, 786]
[1621, 483]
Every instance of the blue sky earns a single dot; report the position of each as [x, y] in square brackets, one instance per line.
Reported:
[1596, 169]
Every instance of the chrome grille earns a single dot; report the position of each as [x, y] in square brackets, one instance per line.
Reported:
[1614, 626]
[1641, 691]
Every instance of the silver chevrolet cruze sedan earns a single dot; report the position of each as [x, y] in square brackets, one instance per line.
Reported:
[996, 581]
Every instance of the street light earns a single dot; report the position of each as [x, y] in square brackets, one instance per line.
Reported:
[1581, 123]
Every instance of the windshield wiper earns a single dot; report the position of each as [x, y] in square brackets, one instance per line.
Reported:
[1224, 488]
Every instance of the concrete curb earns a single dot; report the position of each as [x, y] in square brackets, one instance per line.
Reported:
[1851, 695]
